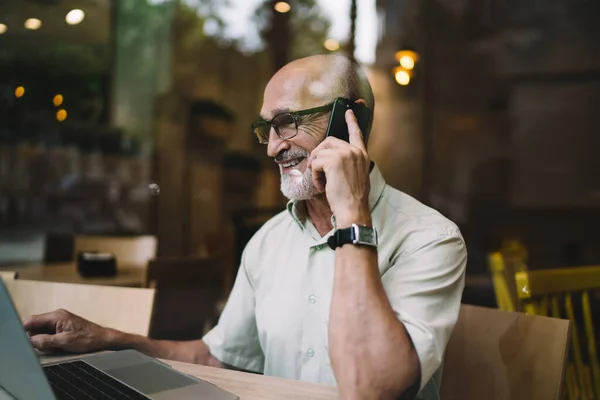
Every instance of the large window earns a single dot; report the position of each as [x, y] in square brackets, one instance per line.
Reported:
[78, 82]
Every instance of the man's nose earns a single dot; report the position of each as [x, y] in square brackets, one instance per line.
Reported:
[276, 144]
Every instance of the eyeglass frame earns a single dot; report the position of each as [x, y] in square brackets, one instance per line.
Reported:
[295, 115]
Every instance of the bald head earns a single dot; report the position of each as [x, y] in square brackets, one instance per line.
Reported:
[314, 81]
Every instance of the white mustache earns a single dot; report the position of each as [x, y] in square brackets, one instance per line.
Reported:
[291, 155]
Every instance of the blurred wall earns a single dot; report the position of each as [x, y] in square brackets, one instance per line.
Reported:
[395, 142]
[514, 88]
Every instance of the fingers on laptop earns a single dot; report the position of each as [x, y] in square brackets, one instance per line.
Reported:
[44, 321]
[46, 342]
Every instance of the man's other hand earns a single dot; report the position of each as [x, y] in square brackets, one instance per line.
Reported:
[62, 331]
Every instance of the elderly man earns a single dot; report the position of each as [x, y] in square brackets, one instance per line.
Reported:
[373, 318]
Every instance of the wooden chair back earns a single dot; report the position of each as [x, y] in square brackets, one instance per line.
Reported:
[188, 291]
[130, 251]
[500, 355]
[8, 275]
[125, 309]
[566, 292]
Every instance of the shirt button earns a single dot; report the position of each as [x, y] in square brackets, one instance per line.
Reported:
[310, 352]
[319, 246]
[312, 298]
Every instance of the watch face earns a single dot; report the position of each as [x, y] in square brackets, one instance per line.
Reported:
[367, 235]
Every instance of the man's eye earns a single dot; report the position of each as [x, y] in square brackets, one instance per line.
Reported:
[284, 120]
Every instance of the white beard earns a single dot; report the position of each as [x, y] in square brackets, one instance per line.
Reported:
[298, 187]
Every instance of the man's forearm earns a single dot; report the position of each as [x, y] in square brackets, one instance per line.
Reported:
[370, 350]
[196, 352]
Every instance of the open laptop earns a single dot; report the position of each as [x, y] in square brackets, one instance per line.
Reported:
[125, 374]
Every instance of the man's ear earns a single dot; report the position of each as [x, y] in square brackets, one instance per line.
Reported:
[361, 101]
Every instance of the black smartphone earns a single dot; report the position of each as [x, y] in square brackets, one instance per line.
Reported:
[337, 121]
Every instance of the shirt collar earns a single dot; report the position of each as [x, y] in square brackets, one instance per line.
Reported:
[297, 208]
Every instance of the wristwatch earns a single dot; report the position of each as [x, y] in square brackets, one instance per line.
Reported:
[355, 234]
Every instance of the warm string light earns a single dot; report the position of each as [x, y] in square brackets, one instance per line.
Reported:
[407, 60]
[3, 28]
[61, 115]
[332, 44]
[58, 100]
[33, 24]
[282, 7]
[75, 17]
[19, 92]
[402, 77]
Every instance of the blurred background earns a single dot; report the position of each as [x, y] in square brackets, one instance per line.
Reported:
[131, 117]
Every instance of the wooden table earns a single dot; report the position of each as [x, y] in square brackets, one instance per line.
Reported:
[248, 386]
[67, 273]
[253, 386]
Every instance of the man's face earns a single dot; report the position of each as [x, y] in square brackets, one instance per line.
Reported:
[294, 92]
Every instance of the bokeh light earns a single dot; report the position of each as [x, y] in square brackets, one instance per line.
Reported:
[402, 77]
[332, 45]
[282, 7]
[75, 17]
[61, 115]
[407, 62]
[57, 100]
[33, 24]
[19, 92]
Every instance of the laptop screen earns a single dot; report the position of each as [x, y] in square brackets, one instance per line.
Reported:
[21, 374]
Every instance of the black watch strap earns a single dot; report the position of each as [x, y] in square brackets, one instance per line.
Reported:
[353, 235]
[340, 237]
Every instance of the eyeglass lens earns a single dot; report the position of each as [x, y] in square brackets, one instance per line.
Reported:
[284, 125]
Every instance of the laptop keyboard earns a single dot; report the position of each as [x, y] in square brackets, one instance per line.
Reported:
[78, 380]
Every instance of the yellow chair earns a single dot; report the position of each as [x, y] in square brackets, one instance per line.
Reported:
[558, 293]
[503, 265]
[504, 283]
[552, 292]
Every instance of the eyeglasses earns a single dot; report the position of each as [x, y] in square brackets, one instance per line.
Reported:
[285, 124]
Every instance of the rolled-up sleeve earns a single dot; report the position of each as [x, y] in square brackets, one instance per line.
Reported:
[234, 340]
[424, 286]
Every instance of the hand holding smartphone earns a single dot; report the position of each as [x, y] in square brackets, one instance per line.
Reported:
[337, 122]
[338, 127]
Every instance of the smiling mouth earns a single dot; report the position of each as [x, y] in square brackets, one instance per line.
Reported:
[291, 163]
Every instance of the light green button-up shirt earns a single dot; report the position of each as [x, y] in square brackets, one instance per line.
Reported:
[276, 318]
